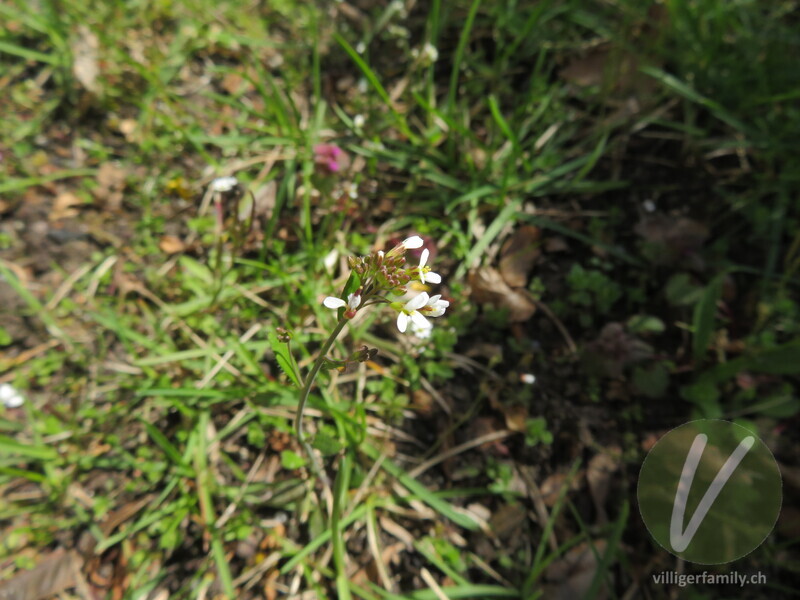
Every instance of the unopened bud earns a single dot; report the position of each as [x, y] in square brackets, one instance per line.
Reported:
[364, 354]
[284, 335]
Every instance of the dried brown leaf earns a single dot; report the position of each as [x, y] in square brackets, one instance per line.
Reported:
[129, 128]
[614, 350]
[53, 575]
[63, 206]
[672, 239]
[516, 417]
[111, 183]
[598, 476]
[507, 521]
[551, 487]
[572, 574]
[555, 244]
[85, 50]
[589, 69]
[489, 287]
[169, 244]
[519, 254]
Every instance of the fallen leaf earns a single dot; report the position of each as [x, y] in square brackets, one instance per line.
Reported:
[572, 575]
[598, 476]
[516, 417]
[85, 50]
[551, 487]
[170, 244]
[672, 240]
[53, 575]
[111, 184]
[129, 128]
[614, 350]
[232, 82]
[589, 69]
[63, 206]
[788, 524]
[489, 287]
[422, 402]
[555, 244]
[519, 254]
[507, 521]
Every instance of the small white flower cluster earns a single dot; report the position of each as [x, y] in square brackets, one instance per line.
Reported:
[10, 397]
[224, 184]
[382, 272]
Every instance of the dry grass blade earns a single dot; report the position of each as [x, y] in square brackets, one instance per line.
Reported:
[484, 439]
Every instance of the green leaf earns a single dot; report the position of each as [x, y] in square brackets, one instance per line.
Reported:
[704, 317]
[326, 444]
[14, 448]
[423, 493]
[169, 449]
[196, 269]
[645, 324]
[781, 360]
[284, 358]
[291, 460]
[704, 395]
[653, 381]
[353, 283]
[680, 291]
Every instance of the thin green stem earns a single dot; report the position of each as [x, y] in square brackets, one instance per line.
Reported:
[312, 376]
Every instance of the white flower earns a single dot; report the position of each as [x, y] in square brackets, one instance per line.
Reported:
[351, 189]
[412, 243]
[224, 184]
[435, 306]
[411, 312]
[420, 332]
[426, 272]
[358, 121]
[528, 378]
[353, 302]
[9, 397]
[430, 52]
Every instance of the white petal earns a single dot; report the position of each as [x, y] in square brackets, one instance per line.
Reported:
[353, 301]
[224, 184]
[436, 311]
[417, 302]
[334, 303]
[9, 397]
[423, 332]
[434, 299]
[420, 321]
[424, 258]
[433, 277]
[402, 322]
[413, 242]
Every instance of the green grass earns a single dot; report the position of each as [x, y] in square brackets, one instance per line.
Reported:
[156, 377]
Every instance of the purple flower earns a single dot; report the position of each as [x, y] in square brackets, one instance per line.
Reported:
[330, 156]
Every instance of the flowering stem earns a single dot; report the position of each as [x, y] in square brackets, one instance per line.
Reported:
[298, 420]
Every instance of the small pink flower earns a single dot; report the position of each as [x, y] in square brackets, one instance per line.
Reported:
[330, 156]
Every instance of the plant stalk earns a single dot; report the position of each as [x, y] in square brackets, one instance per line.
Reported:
[312, 376]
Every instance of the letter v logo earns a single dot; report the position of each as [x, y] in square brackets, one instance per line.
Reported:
[680, 540]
